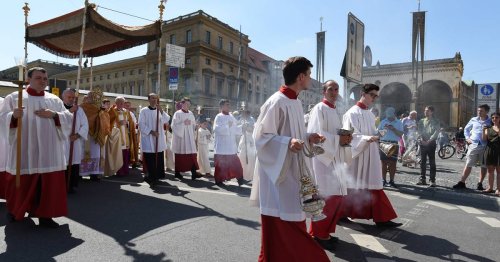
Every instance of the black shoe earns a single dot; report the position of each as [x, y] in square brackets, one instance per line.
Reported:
[195, 175]
[325, 243]
[10, 217]
[385, 184]
[388, 224]
[178, 175]
[333, 239]
[345, 220]
[48, 223]
[220, 184]
[94, 178]
[392, 184]
[460, 185]
[433, 184]
[422, 183]
[241, 181]
[480, 186]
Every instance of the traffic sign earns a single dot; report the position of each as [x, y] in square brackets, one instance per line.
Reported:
[173, 78]
[175, 55]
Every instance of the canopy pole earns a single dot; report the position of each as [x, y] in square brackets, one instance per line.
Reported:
[21, 82]
[91, 73]
[161, 7]
[73, 125]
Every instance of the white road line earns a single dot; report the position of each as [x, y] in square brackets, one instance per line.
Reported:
[441, 205]
[471, 210]
[369, 242]
[398, 194]
[376, 259]
[180, 188]
[492, 222]
[416, 211]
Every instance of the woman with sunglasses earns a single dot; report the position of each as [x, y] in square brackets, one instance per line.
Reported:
[492, 152]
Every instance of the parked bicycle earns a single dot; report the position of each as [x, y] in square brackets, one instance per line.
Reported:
[457, 146]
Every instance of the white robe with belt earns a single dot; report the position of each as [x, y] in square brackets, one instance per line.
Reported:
[203, 157]
[225, 135]
[365, 171]
[183, 141]
[81, 128]
[330, 167]
[276, 182]
[147, 123]
[3, 147]
[42, 143]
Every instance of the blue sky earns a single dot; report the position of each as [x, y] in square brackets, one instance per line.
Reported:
[284, 28]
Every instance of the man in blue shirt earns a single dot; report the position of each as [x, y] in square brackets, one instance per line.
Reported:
[473, 136]
[393, 129]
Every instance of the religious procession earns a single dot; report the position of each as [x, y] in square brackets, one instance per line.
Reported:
[307, 171]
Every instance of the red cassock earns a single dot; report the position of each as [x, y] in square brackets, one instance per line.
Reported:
[287, 241]
[333, 210]
[41, 195]
[185, 162]
[3, 175]
[368, 204]
[227, 167]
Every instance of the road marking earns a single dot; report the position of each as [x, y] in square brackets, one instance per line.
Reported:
[376, 259]
[398, 194]
[416, 211]
[179, 188]
[492, 222]
[471, 210]
[441, 205]
[369, 242]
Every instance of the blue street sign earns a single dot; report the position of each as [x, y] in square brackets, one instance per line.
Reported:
[173, 75]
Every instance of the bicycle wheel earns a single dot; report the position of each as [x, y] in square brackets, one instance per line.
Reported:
[446, 152]
[462, 152]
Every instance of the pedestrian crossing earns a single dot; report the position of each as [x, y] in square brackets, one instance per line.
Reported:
[492, 222]
[471, 210]
[370, 243]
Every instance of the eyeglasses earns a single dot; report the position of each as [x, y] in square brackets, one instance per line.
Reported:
[373, 96]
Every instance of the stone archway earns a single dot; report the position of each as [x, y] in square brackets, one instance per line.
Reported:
[437, 94]
[397, 95]
[354, 94]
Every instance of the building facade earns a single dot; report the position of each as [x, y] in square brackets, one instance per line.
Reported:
[441, 87]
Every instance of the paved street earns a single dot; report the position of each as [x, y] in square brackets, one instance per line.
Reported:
[120, 219]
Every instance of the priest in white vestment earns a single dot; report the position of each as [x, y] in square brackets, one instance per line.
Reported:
[329, 168]
[153, 141]
[280, 134]
[365, 197]
[3, 160]
[169, 155]
[183, 142]
[246, 147]
[226, 129]
[204, 138]
[93, 150]
[45, 128]
[78, 137]
[135, 161]
[120, 118]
